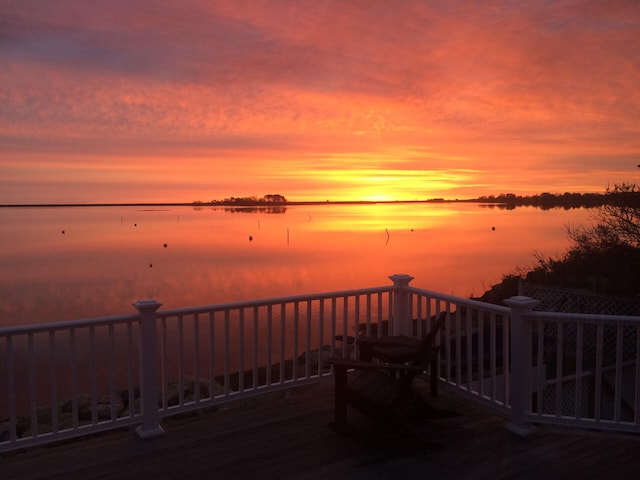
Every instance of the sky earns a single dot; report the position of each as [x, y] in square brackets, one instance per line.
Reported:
[196, 100]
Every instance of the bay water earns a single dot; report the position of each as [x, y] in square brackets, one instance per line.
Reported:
[66, 263]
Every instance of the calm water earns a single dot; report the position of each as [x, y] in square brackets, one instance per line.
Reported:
[67, 263]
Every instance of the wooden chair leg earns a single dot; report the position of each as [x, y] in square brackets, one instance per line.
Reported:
[433, 376]
[340, 400]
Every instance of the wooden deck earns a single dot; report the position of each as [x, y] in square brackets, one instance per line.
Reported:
[287, 437]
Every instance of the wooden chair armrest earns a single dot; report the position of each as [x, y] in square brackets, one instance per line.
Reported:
[388, 342]
[346, 363]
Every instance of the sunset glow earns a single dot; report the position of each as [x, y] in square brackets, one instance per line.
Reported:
[338, 100]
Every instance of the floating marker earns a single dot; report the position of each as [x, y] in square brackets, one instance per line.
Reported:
[165, 245]
[250, 238]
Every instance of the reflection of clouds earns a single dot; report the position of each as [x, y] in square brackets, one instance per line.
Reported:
[449, 248]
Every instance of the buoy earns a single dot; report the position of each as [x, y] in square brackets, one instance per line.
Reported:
[250, 238]
[63, 232]
[165, 245]
[493, 228]
[151, 265]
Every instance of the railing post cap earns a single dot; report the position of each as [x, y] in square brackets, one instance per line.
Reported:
[401, 278]
[147, 304]
[520, 301]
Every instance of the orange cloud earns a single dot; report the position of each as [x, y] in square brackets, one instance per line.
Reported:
[335, 100]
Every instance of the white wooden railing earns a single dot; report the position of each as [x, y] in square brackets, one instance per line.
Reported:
[70, 379]
[589, 375]
[74, 378]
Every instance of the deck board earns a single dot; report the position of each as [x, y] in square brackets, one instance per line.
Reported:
[288, 437]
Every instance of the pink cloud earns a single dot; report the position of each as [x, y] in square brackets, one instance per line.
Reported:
[506, 92]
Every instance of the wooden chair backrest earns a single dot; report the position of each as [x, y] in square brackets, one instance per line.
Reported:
[423, 356]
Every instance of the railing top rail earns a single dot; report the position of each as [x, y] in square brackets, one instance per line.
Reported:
[583, 317]
[68, 324]
[467, 302]
[271, 301]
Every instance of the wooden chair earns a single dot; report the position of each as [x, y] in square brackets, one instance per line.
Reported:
[382, 391]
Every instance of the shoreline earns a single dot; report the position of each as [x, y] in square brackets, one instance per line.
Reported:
[509, 201]
[230, 204]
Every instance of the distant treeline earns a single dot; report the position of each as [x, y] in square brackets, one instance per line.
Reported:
[270, 199]
[507, 201]
[565, 200]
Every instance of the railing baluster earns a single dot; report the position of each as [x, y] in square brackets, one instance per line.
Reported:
[241, 350]
[93, 373]
[180, 360]
[33, 405]
[283, 312]
[420, 319]
[448, 341]
[356, 316]
[481, 369]
[54, 381]
[74, 377]
[469, 346]
[617, 401]
[542, 373]
[559, 368]
[11, 388]
[578, 394]
[308, 342]
[196, 357]
[112, 372]
[506, 359]
[269, 341]
[379, 315]
[458, 330]
[368, 314]
[256, 350]
[296, 328]
[94, 400]
[493, 344]
[598, 380]
[636, 396]
[390, 308]
[130, 370]
[321, 341]
[345, 323]
[227, 344]
[334, 328]
[164, 366]
[212, 355]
